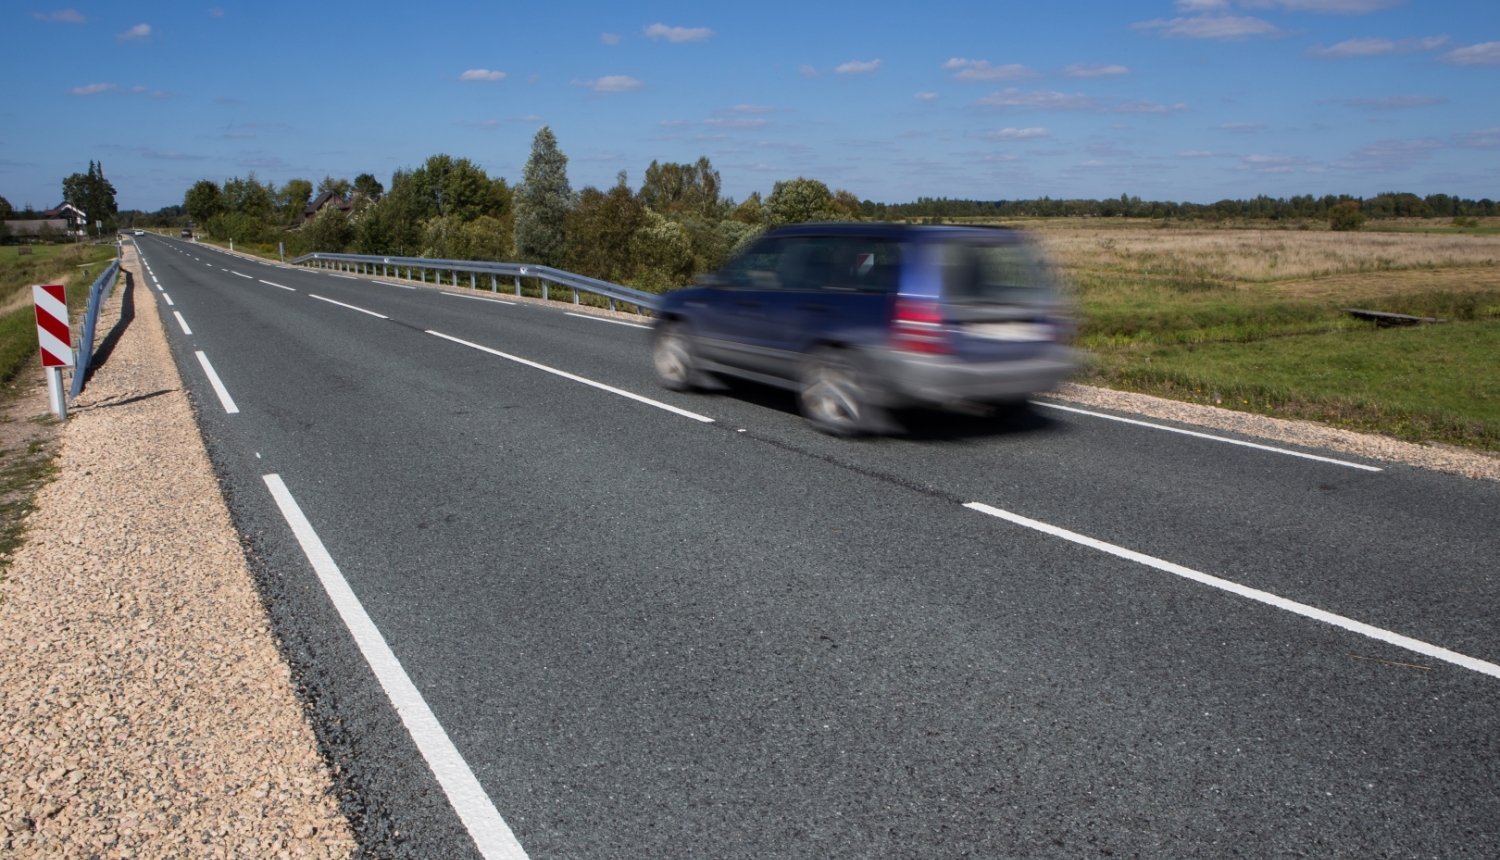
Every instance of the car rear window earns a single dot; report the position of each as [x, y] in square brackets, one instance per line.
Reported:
[998, 273]
[847, 264]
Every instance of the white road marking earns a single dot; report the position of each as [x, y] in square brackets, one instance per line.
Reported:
[476, 298]
[1266, 597]
[182, 322]
[268, 283]
[402, 286]
[350, 307]
[167, 297]
[566, 375]
[1225, 439]
[603, 319]
[345, 277]
[243, 276]
[219, 389]
[491, 835]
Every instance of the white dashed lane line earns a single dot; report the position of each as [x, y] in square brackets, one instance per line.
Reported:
[241, 275]
[269, 284]
[167, 298]
[605, 320]
[350, 307]
[476, 298]
[182, 322]
[1415, 645]
[219, 389]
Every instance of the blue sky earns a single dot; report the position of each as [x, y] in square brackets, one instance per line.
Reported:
[1186, 100]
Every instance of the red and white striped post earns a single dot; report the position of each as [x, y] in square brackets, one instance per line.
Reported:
[55, 339]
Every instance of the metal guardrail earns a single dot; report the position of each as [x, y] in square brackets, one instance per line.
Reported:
[387, 267]
[98, 295]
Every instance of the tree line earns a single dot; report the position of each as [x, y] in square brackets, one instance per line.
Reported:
[1308, 207]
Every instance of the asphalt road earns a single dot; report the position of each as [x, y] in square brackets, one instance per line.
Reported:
[651, 636]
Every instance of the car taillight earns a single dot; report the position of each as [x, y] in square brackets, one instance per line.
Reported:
[917, 326]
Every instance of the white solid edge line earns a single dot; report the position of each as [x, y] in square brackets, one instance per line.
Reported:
[350, 307]
[219, 389]
[475, 298]
[602, 319]
[242, 275]
[566, 375]
[1416, 645]
[268, 283]
[1287, 451]
[182, 322]
[491, 835]
[345, 277]
[167, 297]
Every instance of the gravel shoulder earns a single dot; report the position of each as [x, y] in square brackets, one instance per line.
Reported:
[1306, 434]
[145, 710]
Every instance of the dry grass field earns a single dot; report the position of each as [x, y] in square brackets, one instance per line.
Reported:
[1251, 317]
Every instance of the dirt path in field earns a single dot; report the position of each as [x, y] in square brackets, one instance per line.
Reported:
[144, 708]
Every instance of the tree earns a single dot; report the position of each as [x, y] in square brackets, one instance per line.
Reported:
[367, 185]
[92, 193]
[542, 202]
[5, 209]
[1346, 216]
[749, 212]
[599, 229]
[340, 187]
[329, 230]
[249, 197]
[799, 201]
[292, 199]
[661, 252]
[203, 201]
[679, 189]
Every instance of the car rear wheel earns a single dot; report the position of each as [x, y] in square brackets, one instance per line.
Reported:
[672, 355]
[834, 397]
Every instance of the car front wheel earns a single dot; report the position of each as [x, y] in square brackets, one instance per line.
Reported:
[672, 355]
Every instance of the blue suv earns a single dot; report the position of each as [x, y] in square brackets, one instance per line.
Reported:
[859, 319]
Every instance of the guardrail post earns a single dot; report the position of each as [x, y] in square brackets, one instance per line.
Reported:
[518, 285]
[472, 285]
[545, 296]
[494, 283]
[611, 304]
[575, 295]
[455, 277]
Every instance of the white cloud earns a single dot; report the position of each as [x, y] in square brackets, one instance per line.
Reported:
[1336, 7]
[137, 33]
[981, 70]
[1375, 47]
[1388, 156]
[1483, 54]
[1211, 27]
[92, 89]
[737, 122]
[857, 67]
[609, 38]
[1196, 153]
[1142, 106]
[807, 71]
[1040, 99]
[1394, 102]
[611, 84]
[657, 32]
[531, 117]
[1242, 127]
[1479, 138]
[1093, 70]
[752, 109]
[1017, 134]
[1201, 5]
[925, 97]
[62, 16]
[481, 75]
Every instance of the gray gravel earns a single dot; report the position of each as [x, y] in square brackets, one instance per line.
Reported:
[144, 708]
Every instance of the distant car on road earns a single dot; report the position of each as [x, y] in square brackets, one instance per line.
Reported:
[140, 232]
[187, 233]
[859, 319]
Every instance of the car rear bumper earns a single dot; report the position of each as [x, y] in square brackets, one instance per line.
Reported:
[941, 381]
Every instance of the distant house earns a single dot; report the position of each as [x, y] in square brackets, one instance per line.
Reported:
[59, 227]
[319, 203]
[77, 220]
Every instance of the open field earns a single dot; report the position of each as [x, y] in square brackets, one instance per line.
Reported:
[1251, 318]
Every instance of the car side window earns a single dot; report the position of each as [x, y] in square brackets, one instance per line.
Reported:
[848, 264]
[762, 266]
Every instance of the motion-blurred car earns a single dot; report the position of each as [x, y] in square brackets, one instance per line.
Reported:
[860, 319]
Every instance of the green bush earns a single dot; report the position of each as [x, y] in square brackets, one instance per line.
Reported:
[1346, 216]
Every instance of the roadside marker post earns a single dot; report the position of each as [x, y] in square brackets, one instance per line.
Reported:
[55, 339]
